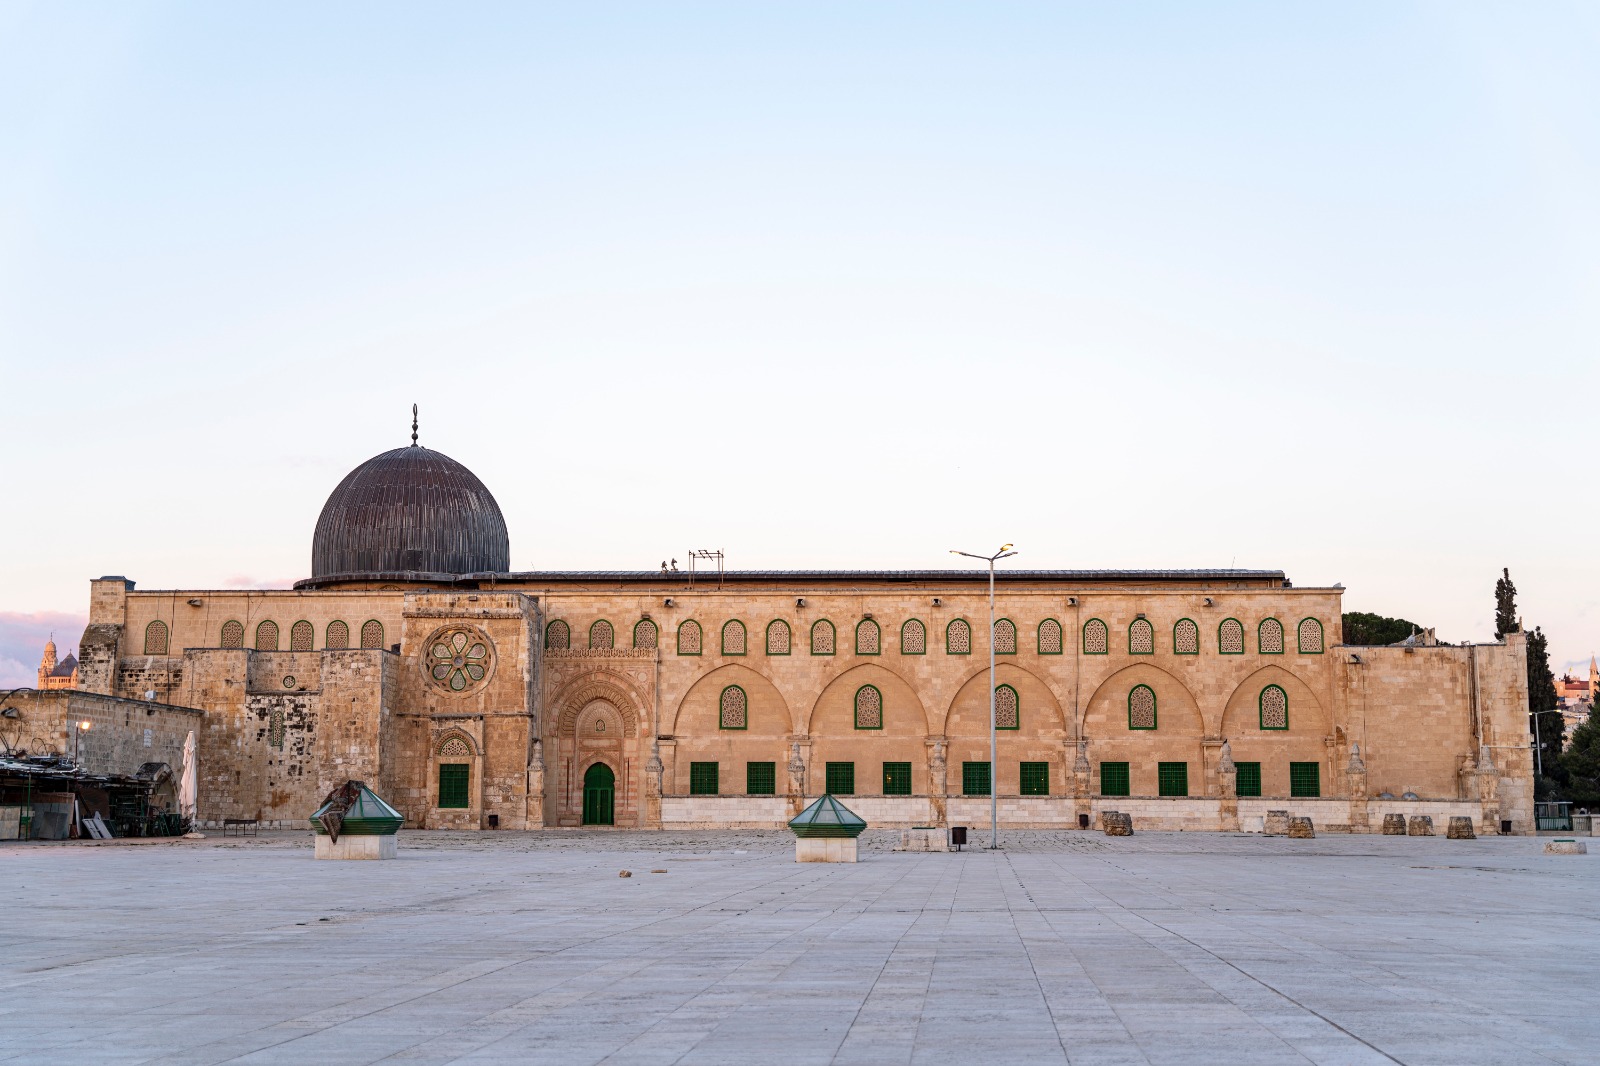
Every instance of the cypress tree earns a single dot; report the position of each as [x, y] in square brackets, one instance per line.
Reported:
[1505, 605]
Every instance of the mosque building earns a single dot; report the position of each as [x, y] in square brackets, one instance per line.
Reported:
[472, 696]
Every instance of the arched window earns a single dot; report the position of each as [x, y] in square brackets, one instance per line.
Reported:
[455, 747]
[155, 638]
[868, 637]
[267, 636]
[1269, 637]
[1050, 637]
[1096, 638]
[689, 637]
[275, 728]
[233, 634]
[822, 637]
[958, 637]
[733, 637]
[602, 637]
[372, 634]
[1142, 707]
[1185, 637]
[302, 636]
[1230, 637]
[869, 707]
[778, 637]
[733, 709]
[338, 636]
[1141, 637]
[1005, 637]
[1310, 633]
[1274, 708]
[1007, 708]
[558, 636]
[645, 633]
[913, 638]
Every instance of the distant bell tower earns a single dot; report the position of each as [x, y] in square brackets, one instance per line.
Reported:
[56, 674]
[1594, 679]
[47, 661]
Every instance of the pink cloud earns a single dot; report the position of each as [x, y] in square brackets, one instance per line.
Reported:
[22, 637]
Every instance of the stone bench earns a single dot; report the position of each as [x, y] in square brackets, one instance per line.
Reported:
[1420, 825]
[1460, 829]
[1394, 825]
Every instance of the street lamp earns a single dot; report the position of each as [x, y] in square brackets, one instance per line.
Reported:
[83, 727]
[1005, 552]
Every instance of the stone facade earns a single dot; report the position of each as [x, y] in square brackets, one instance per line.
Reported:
[122, 734]
[497, 700]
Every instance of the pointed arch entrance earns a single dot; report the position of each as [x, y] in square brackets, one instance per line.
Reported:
[599, 795]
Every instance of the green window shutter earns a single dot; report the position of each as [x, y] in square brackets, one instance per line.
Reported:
[453, 782]
[1114, 779]
[1035, 779]
[1173, 778]
[897, 779]
[761, 778]
[841, 778]
[974, 779]
[1305, 779]
[702, 779]
[1248, 782]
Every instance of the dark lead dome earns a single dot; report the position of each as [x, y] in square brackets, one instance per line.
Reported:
[410, 511]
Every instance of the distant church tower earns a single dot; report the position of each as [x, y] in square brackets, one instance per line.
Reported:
[53, 674]
[1594, 679]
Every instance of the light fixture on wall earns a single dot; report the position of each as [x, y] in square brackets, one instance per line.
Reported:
[1210, 602]
[1355, 659]
[866, 616]
[799, 601]
[667, 602]
[196, 601]
[1072, 601]
[937, 602]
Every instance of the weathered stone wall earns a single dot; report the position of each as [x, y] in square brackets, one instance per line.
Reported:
[122, 736]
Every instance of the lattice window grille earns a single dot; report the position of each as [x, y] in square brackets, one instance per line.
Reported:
[1269, 637]
[602, 637]
[689, 638]
[267, 636]
[372, 634]
[1142, 707]
[913, 638]
[868, 637]
[1230, 637]
[338, 636]
[733, 637]
[1096, 638]
[1310, 637]
[869, 707]
[1007, 708]
[1186, 638]
[822, 637]
[1049, 637]
[1005, 637]
[275, 728]
[734, 709]
[301, 636]
[155, 638]
[1274, 708]
[233, 634]
[1141, 637]
[778, 637]
[455, 747]
[558, 636]
[645, 634]
[958, 638]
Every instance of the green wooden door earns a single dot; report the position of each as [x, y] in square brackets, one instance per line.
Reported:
[599, 790]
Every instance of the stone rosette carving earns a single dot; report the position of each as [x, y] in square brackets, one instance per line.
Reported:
[458, 659]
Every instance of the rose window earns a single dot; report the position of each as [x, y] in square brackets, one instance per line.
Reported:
[458, 659]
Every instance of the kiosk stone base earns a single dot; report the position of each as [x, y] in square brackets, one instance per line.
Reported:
[356, 846]
[825, 849]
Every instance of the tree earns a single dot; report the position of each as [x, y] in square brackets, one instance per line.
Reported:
[1542, 697]
[1505, 605]
[1363, 628]
[1581, 762]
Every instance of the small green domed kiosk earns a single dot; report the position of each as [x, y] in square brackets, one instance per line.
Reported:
[826, 831]
[353, 823]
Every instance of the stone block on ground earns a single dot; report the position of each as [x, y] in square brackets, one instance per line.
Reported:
[1117, 824]
[1394, 825]
[1301, 829]
[1566, 847]
[356, 846]
[1276, 824]
[1420, 825]
[1460, 829]
[825, 849]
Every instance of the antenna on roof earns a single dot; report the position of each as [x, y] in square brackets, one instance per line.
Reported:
[413, 425]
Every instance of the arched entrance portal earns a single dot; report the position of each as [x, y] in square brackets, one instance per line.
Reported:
[599, 792]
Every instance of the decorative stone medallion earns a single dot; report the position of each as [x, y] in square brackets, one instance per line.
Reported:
[459, 658]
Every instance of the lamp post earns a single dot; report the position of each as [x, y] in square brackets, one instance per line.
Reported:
[1538, 738]
[1005, 552]
[83, 727]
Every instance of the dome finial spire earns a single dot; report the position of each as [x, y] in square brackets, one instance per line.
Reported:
[413, 425]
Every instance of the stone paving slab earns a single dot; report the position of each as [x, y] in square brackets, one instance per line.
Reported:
[1061, 947]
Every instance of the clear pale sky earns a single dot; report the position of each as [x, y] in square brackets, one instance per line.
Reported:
[1311, 287]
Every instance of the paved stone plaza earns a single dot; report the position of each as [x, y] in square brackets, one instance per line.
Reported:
[528, 947]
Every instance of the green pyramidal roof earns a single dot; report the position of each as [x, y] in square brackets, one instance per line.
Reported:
[827, 818]
[367, 816]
